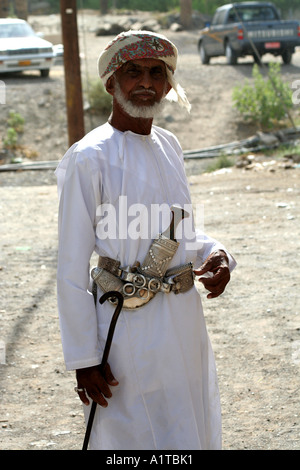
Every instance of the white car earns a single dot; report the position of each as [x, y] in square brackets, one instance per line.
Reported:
[22, 49]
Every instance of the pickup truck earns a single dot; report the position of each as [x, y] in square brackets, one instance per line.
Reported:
[248, 28]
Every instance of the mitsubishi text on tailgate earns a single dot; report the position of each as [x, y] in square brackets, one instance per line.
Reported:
[240, 29]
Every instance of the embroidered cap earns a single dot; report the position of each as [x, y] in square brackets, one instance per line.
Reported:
[133, 45]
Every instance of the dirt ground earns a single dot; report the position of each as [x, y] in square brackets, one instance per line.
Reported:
[254, 326]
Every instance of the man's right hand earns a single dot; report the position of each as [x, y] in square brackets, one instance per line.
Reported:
[95, 384]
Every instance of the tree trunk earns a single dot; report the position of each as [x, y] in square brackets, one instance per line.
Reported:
[4, 8]
[186, 13]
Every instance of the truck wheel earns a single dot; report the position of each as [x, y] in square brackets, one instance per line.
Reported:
[205, 58]
[231, 56]
[287, 56]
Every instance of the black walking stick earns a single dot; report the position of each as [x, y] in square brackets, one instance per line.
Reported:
[119, 297]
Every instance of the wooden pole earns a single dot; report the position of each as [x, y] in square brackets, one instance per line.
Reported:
[4, 8]
[73, 86]
[186, 13]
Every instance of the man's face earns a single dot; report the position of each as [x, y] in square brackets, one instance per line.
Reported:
[140, 85]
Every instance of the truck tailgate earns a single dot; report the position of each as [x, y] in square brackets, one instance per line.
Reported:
[272, 31]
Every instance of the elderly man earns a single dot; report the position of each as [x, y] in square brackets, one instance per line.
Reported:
[160, 389]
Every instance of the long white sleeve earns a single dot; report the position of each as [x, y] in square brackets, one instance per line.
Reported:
[78, 321]
[208, 245]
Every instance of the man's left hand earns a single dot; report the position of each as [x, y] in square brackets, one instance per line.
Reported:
[216, 264]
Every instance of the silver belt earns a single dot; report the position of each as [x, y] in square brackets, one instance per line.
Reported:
[140, 283]
[136, 287]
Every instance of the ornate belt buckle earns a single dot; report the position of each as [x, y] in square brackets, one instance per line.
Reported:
[143, 293]
[139, 281]
[154, 284]
[128, 289]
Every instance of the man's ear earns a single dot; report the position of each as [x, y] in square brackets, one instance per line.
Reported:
[168, 88]
[110, 86]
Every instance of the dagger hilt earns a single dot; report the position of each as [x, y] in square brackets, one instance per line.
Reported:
[178, 214]
[163, 247]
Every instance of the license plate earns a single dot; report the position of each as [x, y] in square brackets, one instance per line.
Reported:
[272, 45]
[24, 62]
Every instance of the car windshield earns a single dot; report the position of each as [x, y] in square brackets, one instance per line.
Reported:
[15, 30]
[257, 13]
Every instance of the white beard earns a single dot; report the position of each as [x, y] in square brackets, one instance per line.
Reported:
[145, 112]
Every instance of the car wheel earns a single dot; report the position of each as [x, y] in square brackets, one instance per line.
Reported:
[45, 72]
[205, 58]
[231, 56]
[287, 56]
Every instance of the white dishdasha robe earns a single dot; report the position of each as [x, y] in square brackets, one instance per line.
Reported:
[167, 397]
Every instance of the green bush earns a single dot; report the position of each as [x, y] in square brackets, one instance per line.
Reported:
[267, 100]
[11, 138]
[16, 126]
[223, 161]
[99, 100]
[16, 121]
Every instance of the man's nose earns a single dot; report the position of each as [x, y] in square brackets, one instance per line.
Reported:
[146, 80]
